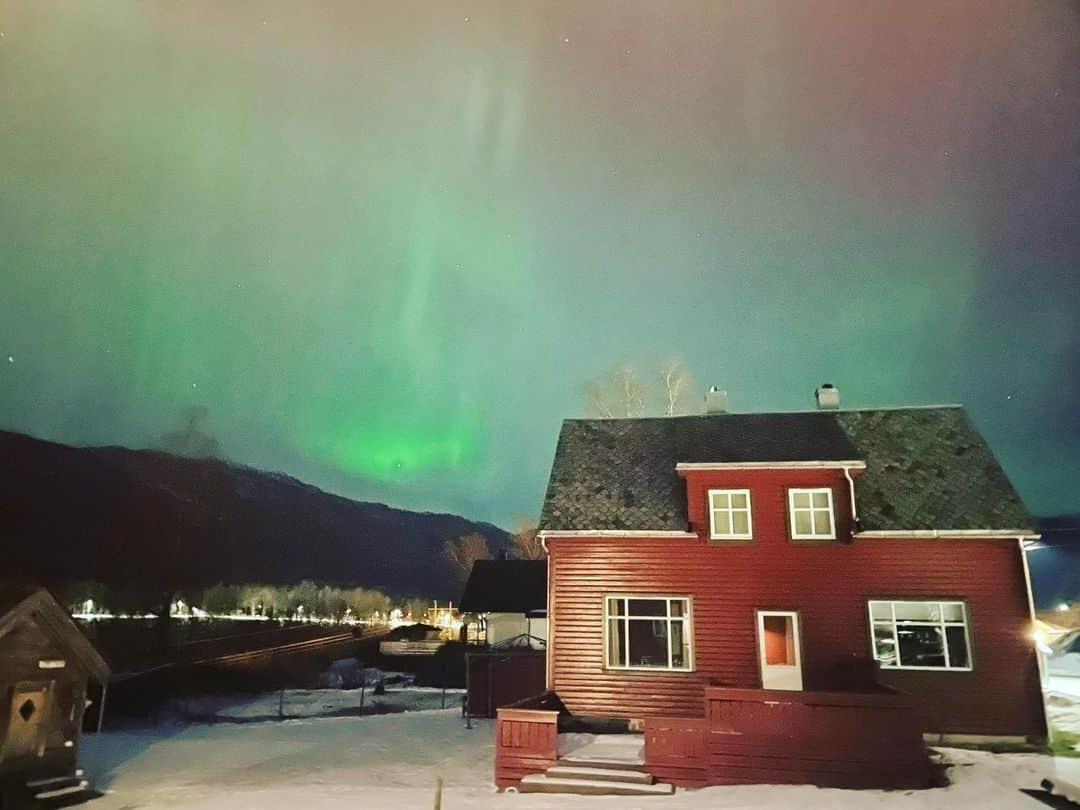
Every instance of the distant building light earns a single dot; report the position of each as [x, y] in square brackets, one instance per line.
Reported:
[1062, 607]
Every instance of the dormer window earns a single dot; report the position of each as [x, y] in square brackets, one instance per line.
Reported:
[811, 512]
[729, 514]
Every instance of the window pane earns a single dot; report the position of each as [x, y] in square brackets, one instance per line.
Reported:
[921, 645]
[648, 643]
[802, 523]
[958, 651]
[678, 645]
[881, 610]
[952, 612]
[801, 499]
[740, 523]
[721, 523]
[676, 607]
[720, 500]
[917, 611]
[616, 643]
[884, 645]
[738, 500]
[821, 499]
[616, 607]
[821, 523]
[648, 607]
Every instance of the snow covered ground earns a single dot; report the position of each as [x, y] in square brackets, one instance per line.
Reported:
[392, 761]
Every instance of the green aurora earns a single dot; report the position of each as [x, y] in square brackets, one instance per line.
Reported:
[384, 244]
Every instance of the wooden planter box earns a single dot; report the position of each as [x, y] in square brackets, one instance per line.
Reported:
[526, 738]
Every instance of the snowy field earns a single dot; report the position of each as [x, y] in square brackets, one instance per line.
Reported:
[392, 761]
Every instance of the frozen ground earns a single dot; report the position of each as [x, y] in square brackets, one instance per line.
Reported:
[392, 761]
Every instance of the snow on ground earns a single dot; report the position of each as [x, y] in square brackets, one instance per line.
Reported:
[392, 761]
[1063, 685]
[1062, 701]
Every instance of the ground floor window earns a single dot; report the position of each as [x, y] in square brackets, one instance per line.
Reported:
[920, 635]
[647, 632]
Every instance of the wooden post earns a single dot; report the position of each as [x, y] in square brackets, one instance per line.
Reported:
[281, 704]
[465, 708]
[101, 708]
[363, 687]
[444, 686]
[438, 793]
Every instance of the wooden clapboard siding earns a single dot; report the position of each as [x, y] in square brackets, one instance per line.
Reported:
[828, 583]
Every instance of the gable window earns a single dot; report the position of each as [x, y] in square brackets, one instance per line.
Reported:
[920, 635]
[729, 514]
[811, 514]
[647, 632]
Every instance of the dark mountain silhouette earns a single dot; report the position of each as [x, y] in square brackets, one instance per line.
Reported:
[145, 519]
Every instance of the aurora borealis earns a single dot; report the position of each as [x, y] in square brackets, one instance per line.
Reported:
[383, 244]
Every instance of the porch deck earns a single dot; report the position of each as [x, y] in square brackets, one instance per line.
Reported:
[856, 739]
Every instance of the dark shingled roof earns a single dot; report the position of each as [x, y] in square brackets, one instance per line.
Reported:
[926, 468]
[506, 586]
[20, 600]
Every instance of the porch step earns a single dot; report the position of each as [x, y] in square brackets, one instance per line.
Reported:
[542, 783]
[61, 791]
[54, 783]
[68, 790]
[607, 763]
[563, 771]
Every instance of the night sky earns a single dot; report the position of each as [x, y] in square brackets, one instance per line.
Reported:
[383, 245]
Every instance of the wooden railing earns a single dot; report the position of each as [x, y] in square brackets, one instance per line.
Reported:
[676, 750]
[830, 739]
[526, 738]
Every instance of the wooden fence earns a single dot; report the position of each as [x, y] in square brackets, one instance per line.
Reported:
[830, 739]
[501, 678]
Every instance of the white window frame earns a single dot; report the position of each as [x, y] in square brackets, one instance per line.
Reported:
[792, 509]
[713, 534]
[941, 623]
[686, 619]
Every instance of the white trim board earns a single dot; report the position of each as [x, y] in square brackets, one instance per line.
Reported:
[693, 466]
[1012, 534]
[549, 534]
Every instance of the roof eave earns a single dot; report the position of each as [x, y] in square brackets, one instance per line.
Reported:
[1012, 534]
[694, 466]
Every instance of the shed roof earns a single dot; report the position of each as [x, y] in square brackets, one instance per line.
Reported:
[506, 586]
[926, 468]
[22, 600]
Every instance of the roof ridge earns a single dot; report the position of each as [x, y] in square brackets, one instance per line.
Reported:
[870, 408]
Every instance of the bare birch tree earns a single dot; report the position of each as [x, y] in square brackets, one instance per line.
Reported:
[676, 384]
[620, 392]
[525, 542]
[463, 551]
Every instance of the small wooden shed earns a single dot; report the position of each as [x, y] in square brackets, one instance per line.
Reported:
[46, 666]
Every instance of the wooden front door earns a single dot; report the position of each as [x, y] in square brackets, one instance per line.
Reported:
[778, 647]
[28, 720]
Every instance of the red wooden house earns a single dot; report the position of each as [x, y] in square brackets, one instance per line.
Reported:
[784, 597]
